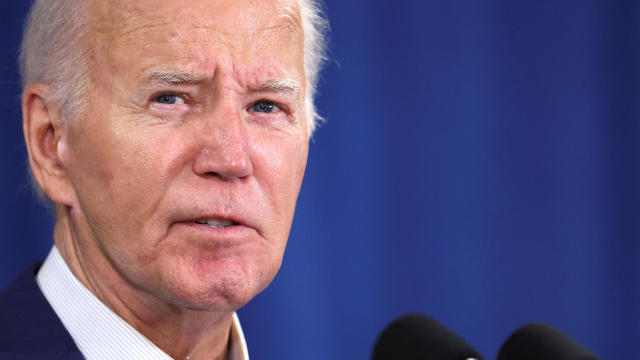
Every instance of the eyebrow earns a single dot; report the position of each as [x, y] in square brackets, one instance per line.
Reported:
[174, 77]
[283, 85]
[178, 77]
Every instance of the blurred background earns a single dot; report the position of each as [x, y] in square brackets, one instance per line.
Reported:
[479, 164]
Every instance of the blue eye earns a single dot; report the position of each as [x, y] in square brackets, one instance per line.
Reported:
[264, 106]
[169, 99]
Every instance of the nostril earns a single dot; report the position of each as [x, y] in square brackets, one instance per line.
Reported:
[224, 165]
[223, 145]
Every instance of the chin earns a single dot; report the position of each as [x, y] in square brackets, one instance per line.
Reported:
[222, 286]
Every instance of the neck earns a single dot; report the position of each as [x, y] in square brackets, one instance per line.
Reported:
[178, 330]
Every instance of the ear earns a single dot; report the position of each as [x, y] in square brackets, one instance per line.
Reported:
[44, 136]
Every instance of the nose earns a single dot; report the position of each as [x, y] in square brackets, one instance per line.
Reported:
[225, 146]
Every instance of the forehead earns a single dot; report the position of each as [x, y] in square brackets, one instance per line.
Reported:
[119, 17]
[198, 30]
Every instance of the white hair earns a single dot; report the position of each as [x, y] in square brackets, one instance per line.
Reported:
[54, 51]
[314, 27]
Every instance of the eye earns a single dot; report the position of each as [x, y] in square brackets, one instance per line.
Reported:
[264, 106]
[169, 99]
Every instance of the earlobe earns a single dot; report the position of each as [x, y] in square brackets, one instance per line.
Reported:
[44, 134]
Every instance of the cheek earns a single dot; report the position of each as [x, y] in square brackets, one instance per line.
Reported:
[144, 171]
[279, 167]
[88, 162]
[120, 174]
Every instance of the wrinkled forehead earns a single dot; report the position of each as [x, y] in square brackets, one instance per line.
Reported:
[143, 20]
[256, 40]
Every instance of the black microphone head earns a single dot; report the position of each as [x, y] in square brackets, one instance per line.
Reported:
[416, 336]
[542, 341]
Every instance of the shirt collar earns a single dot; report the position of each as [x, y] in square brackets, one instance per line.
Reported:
[100, 333]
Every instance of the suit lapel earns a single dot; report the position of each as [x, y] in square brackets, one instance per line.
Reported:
[30, 328]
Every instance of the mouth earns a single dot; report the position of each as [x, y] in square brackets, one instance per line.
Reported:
[217, 223]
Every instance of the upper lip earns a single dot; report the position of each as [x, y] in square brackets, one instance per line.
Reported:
[207, 220]
[205, 217]
[238, 220]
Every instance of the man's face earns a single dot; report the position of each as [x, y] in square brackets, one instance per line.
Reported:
[187, 163]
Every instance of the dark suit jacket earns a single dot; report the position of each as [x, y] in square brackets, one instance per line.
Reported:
[29, 328]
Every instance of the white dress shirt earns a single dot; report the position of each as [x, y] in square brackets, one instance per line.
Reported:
[100, 333]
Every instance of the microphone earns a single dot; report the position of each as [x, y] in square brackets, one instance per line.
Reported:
[416, 336]
[542, 341]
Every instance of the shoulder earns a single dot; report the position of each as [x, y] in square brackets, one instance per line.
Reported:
[23, 285]
[19, 297]
[29, 327]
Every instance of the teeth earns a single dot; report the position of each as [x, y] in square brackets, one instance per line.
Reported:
[216, 223]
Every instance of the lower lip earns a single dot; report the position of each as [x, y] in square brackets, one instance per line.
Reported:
[220, 232]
